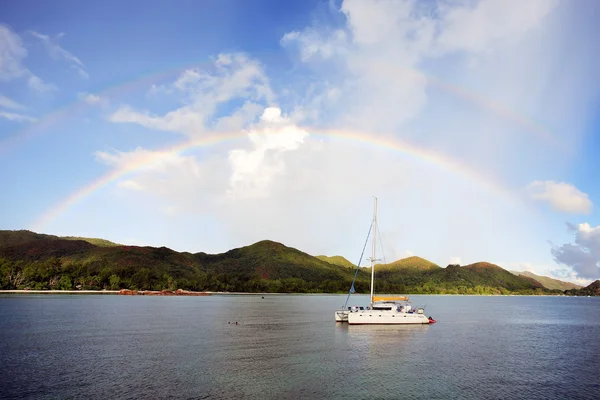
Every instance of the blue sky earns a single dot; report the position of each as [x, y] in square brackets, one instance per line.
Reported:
[484, 111]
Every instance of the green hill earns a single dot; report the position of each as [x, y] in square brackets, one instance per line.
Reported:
[94, 241]
[272, 260]
[483, 273]
[11, 238]
[337, 260]
[264, 266]
[37, 261]
[593, 289]
[548, 283]
[409, 263]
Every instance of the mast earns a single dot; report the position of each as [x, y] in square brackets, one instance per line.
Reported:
[373, 249]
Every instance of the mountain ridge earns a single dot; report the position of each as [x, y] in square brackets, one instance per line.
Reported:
[38, 261]
[549, 283]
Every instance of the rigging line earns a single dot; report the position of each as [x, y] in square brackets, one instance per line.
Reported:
[358, 266]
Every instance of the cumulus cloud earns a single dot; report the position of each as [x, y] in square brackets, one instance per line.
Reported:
[583, 256]
[561, 196]
[58, 52]
[253, 170]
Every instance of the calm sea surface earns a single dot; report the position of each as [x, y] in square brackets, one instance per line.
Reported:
[103, 346]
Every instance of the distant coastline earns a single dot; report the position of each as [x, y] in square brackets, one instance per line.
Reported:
[116, 292]
[33, 263]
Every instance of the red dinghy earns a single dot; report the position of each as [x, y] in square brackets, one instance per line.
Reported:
[432, 321]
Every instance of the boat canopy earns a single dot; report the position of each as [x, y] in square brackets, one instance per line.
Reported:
[390, 298]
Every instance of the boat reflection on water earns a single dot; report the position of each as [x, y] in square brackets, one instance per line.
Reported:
[379, 342]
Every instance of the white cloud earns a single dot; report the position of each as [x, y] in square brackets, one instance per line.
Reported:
[561, 196]
[9, 103]
[546, 269]
[93, 99]
[58, 52]
[475, 27]
[567, 274]
[130, 184]
[254, 169]
[583, 256]
[239, 119]
[12, 54]
[188, 120]
[16, 117]
[36, 83]
[454, 260]
[233, 76]
[312, 44]
[182, 181]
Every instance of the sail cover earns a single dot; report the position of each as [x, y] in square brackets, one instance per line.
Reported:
[390, 298]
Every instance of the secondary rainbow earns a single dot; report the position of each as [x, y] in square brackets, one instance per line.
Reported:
[442, 162]
[144, 81]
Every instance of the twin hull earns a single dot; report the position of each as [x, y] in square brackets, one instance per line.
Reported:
[372, 317]
[341, 316]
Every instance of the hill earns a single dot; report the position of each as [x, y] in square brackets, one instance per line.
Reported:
[493, 275]
[337, 260]
[593, 289]
[95, 241]
[11, 238]
[409, 263]
[548, 283]
[267, 260]
[41, 262]
[37, 261]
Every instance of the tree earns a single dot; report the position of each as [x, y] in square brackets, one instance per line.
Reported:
[66, 283]
[114, 282]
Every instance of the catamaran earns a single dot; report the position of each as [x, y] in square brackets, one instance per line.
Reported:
[394, 310]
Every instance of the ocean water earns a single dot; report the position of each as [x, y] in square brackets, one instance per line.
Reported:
[288, 346]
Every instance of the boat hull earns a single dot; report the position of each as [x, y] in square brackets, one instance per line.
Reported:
[341, 316]
[386, 318]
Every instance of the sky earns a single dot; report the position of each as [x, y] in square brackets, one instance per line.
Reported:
[207, 126]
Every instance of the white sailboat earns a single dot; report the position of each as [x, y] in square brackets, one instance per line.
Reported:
[390, 310]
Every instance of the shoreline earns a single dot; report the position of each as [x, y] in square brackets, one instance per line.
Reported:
[210, 293]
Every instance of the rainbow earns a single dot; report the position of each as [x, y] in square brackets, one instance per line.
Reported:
[144, 81]
[384, 142]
